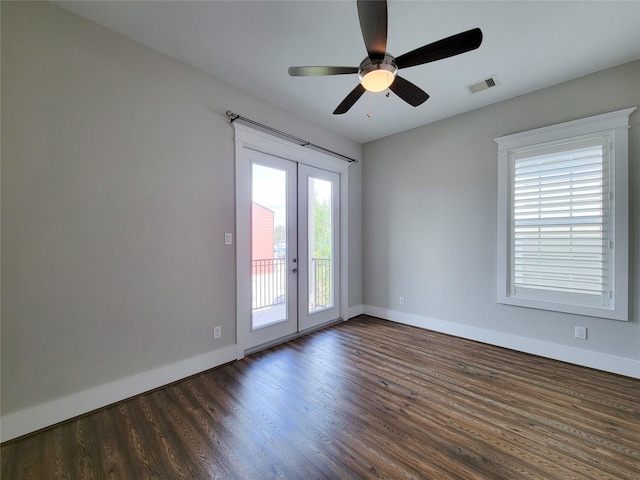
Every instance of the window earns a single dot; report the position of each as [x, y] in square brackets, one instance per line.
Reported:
[563, 217]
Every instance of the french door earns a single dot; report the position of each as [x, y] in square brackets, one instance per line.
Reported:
[288, 248]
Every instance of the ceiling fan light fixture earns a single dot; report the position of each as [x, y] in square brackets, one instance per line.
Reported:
[377, 80]
[377, 76]
[378, 71]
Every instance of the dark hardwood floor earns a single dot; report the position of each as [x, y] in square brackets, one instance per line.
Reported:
[362, 399]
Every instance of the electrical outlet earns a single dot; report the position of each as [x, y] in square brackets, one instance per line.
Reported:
[217, 332]
[581, 333]
[401, 301]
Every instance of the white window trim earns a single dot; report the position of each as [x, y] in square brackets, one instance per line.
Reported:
[615, 124]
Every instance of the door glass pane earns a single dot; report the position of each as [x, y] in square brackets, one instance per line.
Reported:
[320, 245]
[268, 246]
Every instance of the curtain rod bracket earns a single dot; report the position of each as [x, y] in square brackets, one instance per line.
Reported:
[232, 116]
[303, 143]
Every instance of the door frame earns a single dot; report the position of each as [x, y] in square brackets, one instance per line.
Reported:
[248, 139]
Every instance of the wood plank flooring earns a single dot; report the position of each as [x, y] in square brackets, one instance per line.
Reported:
[362, 399]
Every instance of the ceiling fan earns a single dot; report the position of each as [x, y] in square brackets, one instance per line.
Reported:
[379, 70]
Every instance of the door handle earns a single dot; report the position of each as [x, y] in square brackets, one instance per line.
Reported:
[294, 270]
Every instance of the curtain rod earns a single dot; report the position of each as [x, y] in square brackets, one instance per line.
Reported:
[303, 143]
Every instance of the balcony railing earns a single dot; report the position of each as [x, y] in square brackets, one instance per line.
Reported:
[269, 280]
[321, 288]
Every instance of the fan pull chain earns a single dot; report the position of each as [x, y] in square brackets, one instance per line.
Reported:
[368, 105]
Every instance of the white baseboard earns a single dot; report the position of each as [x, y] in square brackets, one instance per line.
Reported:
[585, 358]
[31, 419]
[354, 311]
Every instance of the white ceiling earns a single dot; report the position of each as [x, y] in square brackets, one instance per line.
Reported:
[250, 44]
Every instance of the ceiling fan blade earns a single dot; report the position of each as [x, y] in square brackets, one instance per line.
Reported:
[373, 23]
[407, 91]
[316, 71]
[349, 100]
[447, 47]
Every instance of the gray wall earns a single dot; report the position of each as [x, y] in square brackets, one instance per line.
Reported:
[117, 188]
[429, 215]
[118, 184]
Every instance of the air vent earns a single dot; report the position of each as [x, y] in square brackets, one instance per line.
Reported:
[483, 84]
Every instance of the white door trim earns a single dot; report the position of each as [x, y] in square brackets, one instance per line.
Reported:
[247, 138]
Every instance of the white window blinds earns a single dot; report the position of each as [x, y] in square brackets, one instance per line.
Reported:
[561, 233]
